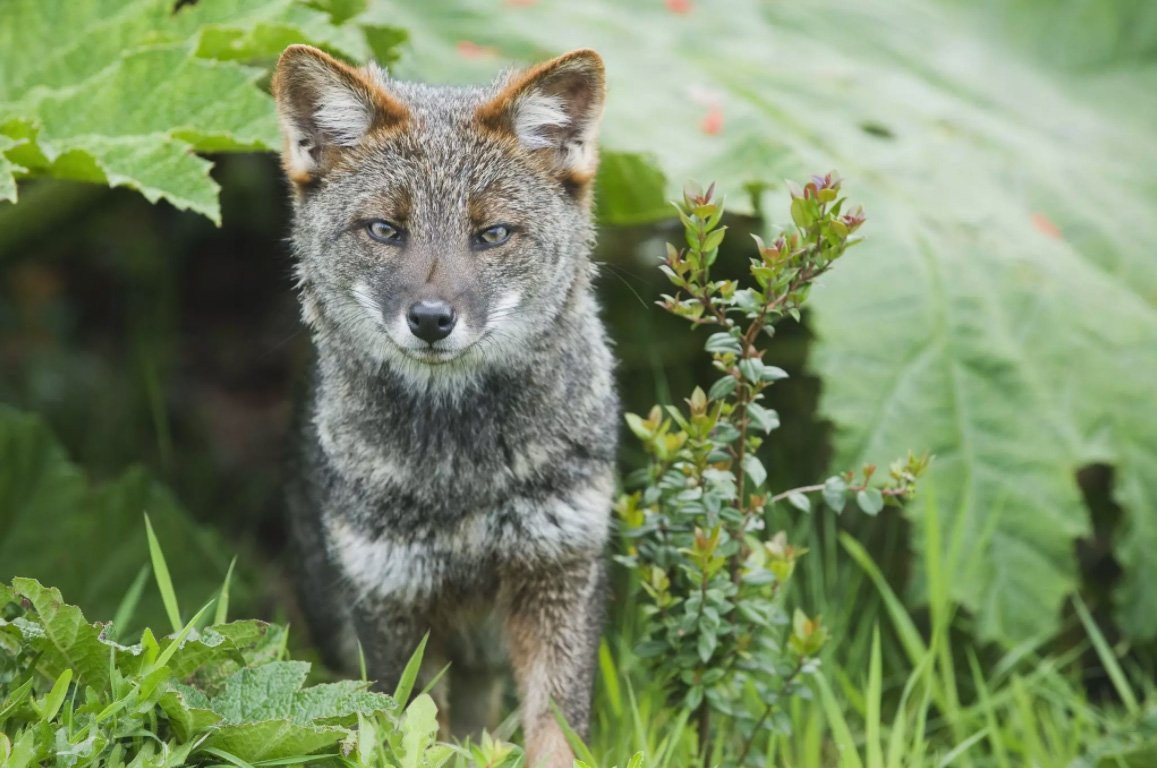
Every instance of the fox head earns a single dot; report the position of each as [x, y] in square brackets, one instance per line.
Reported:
[437, 229]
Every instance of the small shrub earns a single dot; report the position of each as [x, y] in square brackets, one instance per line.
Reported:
[220, 694]
[712, 572]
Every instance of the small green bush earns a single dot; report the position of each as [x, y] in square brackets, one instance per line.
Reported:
[713, 574]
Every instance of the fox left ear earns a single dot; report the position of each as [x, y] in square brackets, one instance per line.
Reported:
[326, 107]
[553, 109]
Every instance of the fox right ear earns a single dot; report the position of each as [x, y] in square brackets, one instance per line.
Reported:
[553, 111]
[325, 106]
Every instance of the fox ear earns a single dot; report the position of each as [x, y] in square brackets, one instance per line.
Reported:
[554, 109]
[325, 106]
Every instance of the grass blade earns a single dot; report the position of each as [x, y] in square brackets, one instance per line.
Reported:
[231, 758]
[221, 615]
[576, 743]
[1105, 653]
[614, 694]
[961, 748]
[873, 696]
[900, 723]
[55, 697]
[996, 738]
[437, 678]
[164, 580]
[174, 646]
[841, 734]
[129, 603]
[905, 627]
[410, 673]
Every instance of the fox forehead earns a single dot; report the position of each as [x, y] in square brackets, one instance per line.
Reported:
[410, 180]
[442, 163]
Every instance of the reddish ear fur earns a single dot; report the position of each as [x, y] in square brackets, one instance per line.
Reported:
[553, 110]
[325, 105]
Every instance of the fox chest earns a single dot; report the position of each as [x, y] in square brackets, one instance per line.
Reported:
[469, 555]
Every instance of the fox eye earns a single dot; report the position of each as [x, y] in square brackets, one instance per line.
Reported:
[384, 231]
[492, 236]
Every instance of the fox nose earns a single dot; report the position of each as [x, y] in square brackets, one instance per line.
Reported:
[431, 320]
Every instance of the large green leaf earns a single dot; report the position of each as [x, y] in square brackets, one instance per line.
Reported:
[124, 91]
[63, 637]
[1003, 311]
[274, 691]
[90, 541]
[267, 714]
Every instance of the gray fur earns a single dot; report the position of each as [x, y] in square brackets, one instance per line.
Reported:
[433, 486]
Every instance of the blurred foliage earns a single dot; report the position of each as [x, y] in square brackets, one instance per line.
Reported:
[89, 539]
[1004, 312]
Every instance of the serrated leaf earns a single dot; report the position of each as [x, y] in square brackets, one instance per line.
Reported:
[68, 640]
[124, 92]
[8, 169]
[186, 720]
[273, 739]
[201, 650]
[274, 691]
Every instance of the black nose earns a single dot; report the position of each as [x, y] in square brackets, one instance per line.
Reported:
[431, 320]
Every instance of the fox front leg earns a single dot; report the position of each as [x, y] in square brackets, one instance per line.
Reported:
[389, 632]
[553, 617]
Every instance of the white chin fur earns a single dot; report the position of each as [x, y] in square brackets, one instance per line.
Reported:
[453, 364]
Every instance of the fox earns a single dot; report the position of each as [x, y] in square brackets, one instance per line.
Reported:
[454, 459]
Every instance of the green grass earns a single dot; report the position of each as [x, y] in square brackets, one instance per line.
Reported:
[900, 689]
[896, 689]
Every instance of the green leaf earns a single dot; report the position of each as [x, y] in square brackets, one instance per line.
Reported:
[273, 739]
[631, 189]
[164, 580]
[638, 426]
[419, 730]
[706, 644]
[186, 720]
[870, 500]
[751, 369]
[722, 388]
[274, 691]
[8, 169]
[123, 92]
[800, 501]
[764, 419]
[755, 471]
[772, 373]
[56, 696]
[836, 493]
[68, 640]
[722, 342]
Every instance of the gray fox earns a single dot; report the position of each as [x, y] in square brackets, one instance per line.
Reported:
[454, 462]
